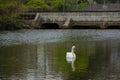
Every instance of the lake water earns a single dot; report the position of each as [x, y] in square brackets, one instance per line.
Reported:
[41, 55]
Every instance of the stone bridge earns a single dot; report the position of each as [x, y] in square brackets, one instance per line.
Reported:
[68, 20]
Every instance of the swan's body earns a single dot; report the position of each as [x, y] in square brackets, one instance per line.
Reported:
[72, 53]
[71, 57]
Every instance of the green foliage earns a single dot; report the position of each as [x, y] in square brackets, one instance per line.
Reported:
[9, 13]
[8, 10]
[56, 4]
[67, 5]
[70, 5]
[92, 2]
[37, 4]
[82, 5]
[24, 1]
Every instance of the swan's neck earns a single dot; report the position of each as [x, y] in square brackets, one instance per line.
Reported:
[72, 50]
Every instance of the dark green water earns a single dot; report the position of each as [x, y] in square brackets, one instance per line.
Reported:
[41, 55]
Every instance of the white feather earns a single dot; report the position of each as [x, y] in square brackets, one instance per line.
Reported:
[71, 54]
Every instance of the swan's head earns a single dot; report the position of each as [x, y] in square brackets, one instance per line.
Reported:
[73, 49]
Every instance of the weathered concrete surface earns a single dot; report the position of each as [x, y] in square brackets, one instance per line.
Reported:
[69, 19]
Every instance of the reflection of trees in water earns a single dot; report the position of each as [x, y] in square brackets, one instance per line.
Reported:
[47, 62]
[17, 62]
[105, 64]
[95, 60]
[115, 55]
[99, 60]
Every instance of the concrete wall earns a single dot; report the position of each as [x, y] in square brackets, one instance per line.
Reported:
[69, 19]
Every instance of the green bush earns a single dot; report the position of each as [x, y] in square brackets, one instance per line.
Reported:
[37, 4]
[56, 4]
[9, 14]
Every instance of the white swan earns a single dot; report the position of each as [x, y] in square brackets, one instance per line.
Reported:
[71, 57]
[72, 53]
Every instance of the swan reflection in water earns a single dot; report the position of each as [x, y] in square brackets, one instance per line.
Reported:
[71, 61]
[71, 57]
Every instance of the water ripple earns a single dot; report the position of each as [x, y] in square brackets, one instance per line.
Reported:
[41, 36]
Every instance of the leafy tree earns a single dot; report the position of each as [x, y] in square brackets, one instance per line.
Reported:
[82, 5]
[56, 4]
[37, 4]
[91, 1]
[67, 5]
[9, 13]
[24, 1]
[71, 4]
